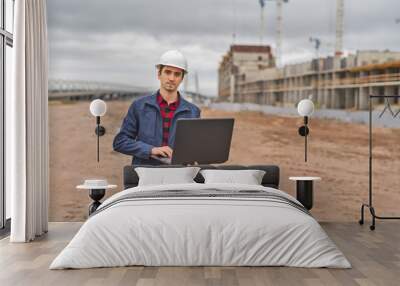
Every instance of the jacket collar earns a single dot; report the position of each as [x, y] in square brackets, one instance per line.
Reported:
[184, 105]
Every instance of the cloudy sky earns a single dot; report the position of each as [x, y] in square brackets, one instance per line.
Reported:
[121, 40]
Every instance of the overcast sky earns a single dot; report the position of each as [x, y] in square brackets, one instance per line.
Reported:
[121, 40]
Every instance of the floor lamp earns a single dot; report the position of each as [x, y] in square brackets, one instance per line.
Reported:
[98, 108]
[305, 108]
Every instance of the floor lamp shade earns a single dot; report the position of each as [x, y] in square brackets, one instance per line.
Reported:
[305, 107]
[98, 107]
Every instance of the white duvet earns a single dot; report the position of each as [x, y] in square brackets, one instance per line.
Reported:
[200, 231]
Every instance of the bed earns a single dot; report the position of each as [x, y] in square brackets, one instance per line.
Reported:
[198, 224]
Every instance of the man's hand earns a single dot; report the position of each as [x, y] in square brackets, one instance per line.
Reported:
[164, 151]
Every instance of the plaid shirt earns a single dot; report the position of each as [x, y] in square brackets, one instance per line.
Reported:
[167, 113]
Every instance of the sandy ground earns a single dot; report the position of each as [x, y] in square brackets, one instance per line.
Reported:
[338, 152]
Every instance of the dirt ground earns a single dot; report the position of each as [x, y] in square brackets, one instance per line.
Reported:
[338, 153]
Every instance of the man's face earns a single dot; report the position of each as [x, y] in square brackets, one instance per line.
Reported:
[170, 78]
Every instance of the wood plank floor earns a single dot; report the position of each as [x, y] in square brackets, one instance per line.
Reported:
[375, 257]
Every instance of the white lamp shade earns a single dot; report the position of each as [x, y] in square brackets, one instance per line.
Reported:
[305, 107]
[98, 107]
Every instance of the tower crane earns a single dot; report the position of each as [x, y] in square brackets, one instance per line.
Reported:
[278, 31]
[339, 27]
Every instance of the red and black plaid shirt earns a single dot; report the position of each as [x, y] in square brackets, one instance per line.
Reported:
[167, 113]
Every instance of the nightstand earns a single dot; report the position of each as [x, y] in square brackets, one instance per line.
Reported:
[304, 190]
[97, 190]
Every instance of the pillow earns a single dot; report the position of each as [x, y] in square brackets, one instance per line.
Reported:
[248, 177]
[163, 176]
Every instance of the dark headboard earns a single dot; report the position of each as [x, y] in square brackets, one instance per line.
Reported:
[270, 179]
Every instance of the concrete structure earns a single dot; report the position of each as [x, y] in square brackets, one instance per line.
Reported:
[333, 82]
[239, 62]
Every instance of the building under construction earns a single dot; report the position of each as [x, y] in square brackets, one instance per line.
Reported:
[248, 74]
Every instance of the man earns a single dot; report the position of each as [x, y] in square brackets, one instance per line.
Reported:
[148, 130]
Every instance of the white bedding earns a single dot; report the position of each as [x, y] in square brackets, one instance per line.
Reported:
[200, 231]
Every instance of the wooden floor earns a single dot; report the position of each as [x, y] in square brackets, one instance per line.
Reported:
[375, 257]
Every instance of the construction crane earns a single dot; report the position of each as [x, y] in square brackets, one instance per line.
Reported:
[262, 5]
[196, 83]
[278, 35]
[339, 27]
[317, 44]
[278, 31]
[194, 79]
[234, 22]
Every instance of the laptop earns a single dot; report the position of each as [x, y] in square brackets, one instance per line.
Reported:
[201, 141]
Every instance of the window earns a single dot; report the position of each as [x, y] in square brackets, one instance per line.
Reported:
[6, 43]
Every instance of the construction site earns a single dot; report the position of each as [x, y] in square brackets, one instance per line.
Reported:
[253, 73]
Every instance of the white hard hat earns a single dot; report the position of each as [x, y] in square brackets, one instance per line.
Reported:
[173, 58]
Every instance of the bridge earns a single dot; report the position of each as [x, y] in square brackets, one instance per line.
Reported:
[88, 90]
[73, 90]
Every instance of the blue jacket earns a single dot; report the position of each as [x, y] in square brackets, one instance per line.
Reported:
[142, 128]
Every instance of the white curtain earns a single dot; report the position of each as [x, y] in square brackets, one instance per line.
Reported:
[27, 151]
